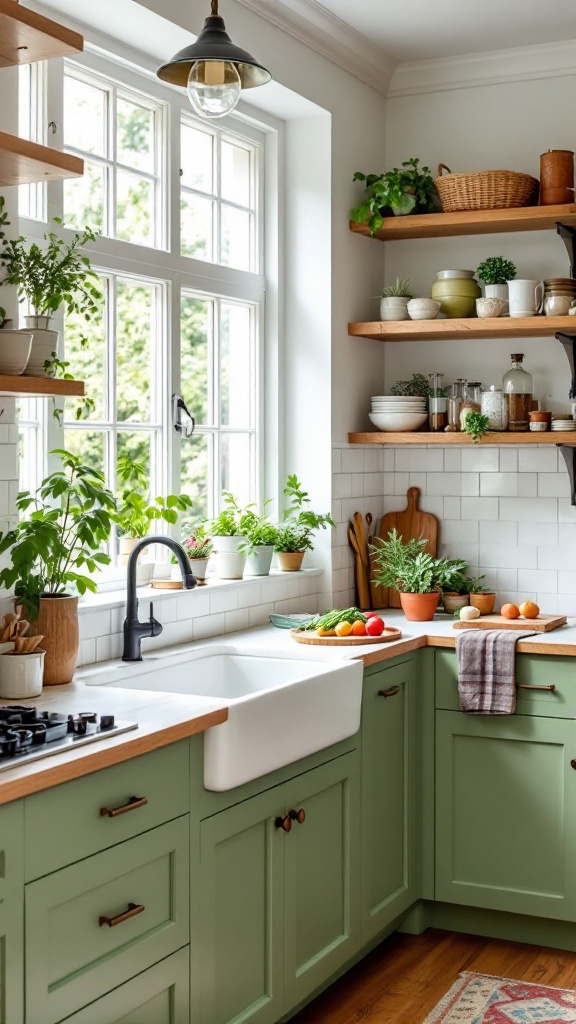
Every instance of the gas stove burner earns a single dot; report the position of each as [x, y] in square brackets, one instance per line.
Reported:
[26, 734]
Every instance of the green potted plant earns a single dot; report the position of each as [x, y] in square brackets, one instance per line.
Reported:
[48, 277]
[417, 386]
[481, 597]
[406, 189]
[455, 594]
[417, 576]
[297, 527]
[495, 272]
[229, 531]
[57, 541]
[258, 543]
[394, 300]
[198, 546]
[135, 513]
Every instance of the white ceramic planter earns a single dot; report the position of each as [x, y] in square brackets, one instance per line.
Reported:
[229, 562]
[44, 343]
[198, 567]
[496, 291]
[39, 323]
[21, 675]
[259, 561]
[394, 308]
[15, 349]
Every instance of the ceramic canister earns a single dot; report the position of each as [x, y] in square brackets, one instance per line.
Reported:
[456, 291]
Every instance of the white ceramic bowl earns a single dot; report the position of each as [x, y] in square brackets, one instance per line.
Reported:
[423, 309]
[14, 351]
[397, 398]
[491, 307]
[391, 407]
[398, 421]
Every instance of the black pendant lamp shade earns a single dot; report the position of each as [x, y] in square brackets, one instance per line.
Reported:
[214, 44]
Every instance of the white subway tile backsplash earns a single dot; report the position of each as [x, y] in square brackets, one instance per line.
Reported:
[210, 625]
[223, 600]
[444, 483]
[508, 460]
[567, 582]
[471, 484]
[353, 460]
[455, 531]
[538, 533]
[553, 485]
[527, 485]
[452, 460]
[566, 510]
[537, 460]
[499, 485]
[479, 508]
[566, 534]
[479, 460]
[563, 557]
[419, 460]
[508, 556]
[529, 509]
[342, 484]
[452, 508]
[239, 619]
[499, 533]
[373, 461]
[544, 581]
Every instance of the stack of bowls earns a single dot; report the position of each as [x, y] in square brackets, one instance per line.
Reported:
[563, 423]
[559, 293]
[398, 413]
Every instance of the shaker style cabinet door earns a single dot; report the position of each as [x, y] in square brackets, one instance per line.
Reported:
[12, 913]
[388, 796]
[506, 813]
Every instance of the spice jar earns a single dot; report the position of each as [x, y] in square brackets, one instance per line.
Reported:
[470, 401]
[493, 406]
[437, 404]
[454, 402]
[517, 388]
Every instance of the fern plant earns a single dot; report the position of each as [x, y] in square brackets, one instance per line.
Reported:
[410, 569]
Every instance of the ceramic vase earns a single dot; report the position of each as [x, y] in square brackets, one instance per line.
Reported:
[58, 623]
[21, 675]
[259, 560]
[394, 307]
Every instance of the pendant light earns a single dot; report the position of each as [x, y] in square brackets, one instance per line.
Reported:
[213, 69]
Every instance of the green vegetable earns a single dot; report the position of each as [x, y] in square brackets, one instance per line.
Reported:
[476, 425]
[331, 619]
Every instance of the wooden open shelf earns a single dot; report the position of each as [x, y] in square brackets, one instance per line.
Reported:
[471, 222]
[36, 387]
[447, 330]
[23, 162]
[26, 36]
[443, 438]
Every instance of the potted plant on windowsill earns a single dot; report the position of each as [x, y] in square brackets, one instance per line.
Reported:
[229, 531]
[135, 513]
[198, 546]
[68, 521]
[258, 544]
[48, 277]
[417, 576]
[297, 527]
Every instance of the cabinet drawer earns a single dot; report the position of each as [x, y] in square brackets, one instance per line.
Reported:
[158, 996]
[67, 823]
[532, 670]
[80, 942]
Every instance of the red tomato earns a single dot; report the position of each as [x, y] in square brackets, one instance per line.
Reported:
[358, 628]
[370, 615]
[374, 626]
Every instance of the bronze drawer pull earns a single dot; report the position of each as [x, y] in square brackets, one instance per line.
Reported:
[284, 823]
[133, 909]
[389, 693]
[529, 686]
[133, 803]
[299, 816]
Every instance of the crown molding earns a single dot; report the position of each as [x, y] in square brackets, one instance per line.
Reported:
[547, 60]
[310, 23]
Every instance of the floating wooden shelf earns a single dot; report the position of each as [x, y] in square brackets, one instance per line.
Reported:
[23, 162]
[476, 327]
[471, 222]
[26, 36]
[35, 387]
[557, 437]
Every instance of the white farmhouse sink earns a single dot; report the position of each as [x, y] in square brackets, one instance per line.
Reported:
[280, 709]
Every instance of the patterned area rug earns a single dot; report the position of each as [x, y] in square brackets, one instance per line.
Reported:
[482, 999]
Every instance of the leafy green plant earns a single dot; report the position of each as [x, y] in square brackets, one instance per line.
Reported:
[406, 189]
[232, 521]
[260, 531]
[417, 385]
[408, 568]
[198, 544]
[462, 584]
[69, 519]
[135, 513]
[54, 275]
[496, 270]
[400, 288]
[476, 425]
[294, 532]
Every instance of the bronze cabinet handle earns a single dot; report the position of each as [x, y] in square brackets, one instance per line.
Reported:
[133, 910]
[299, 816]
[133, 803]
[284, 823]
[573, 764]
[532, 686]
[389, 693]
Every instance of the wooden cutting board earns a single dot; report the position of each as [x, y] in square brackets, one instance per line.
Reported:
[411, 523]
[543, 624]
[310, 637]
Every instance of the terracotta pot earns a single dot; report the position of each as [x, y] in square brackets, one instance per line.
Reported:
[483, 602]
[290, 561]
[453, 601]
[58, 623]
[419, 607]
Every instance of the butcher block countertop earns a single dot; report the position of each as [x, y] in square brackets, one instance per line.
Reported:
[165, 718]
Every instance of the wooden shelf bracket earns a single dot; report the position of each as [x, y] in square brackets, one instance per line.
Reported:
[568, 235]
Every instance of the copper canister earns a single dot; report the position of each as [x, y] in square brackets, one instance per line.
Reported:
[556, 177]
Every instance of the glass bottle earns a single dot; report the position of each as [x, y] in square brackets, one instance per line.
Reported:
[494, 407]
[470, 401]
[454, 402]
[437, 414]
[517, 388]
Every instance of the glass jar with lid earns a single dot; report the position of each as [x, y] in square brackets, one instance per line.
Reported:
[454, 402]
[471, 400]
[518, 391]
[437, 403]
[493, 406]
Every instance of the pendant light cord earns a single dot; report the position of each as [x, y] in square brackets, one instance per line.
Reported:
[214, 4]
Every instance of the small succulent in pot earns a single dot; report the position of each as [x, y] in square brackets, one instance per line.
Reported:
[394, 300]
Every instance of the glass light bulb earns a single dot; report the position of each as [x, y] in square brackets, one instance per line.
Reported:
[214, 87]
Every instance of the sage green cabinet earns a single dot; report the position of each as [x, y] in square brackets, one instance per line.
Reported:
[388, 796]
[12, 914]
[278, 910]
[506, 813]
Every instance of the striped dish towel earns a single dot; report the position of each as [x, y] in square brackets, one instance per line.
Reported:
[486, 681]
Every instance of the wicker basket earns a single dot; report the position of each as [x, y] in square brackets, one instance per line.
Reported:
[485, 190]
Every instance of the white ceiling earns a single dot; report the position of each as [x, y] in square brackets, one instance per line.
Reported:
[412, 30]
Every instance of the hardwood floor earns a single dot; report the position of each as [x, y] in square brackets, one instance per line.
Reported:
[401, 981]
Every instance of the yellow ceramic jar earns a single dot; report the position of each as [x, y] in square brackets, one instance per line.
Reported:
[456, 291]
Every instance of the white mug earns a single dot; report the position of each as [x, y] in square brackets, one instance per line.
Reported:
[525, 297]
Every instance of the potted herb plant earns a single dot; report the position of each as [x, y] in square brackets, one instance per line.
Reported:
[136, 513]
[481, 597]
[406, 189]
[258, 544]
[56, 543]
[495, 272]
[394, 300]
[417, 576]
[229, 531]
[297, 527]
[198, 546]
[455, 594]
[48, 277]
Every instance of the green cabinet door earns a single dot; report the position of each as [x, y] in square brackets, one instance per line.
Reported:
[12, 913]
[237, 941]
[322, 873]
[388, 796]
[505, 813]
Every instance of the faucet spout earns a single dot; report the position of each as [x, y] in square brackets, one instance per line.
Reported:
[134, 630]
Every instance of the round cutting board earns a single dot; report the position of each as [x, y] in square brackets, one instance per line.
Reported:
[310, 637]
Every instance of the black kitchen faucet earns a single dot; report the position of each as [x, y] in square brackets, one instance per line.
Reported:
[134, 630]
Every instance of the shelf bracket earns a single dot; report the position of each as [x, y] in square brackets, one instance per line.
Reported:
[568, 341]
[568, 235]
[569, 453]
